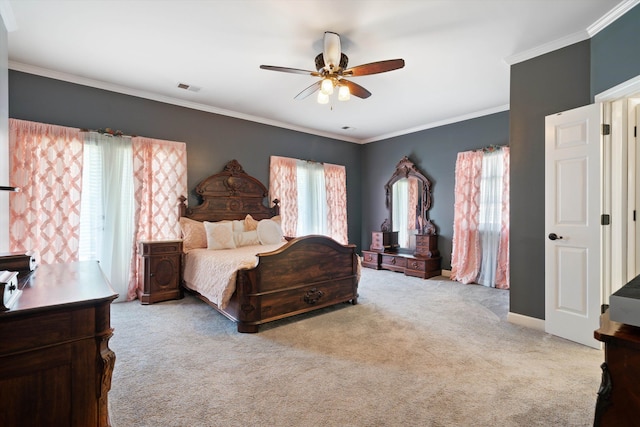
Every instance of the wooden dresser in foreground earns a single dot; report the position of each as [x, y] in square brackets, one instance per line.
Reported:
[618, 401]
[55, 362]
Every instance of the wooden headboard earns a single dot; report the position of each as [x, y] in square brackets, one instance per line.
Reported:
[228, 195]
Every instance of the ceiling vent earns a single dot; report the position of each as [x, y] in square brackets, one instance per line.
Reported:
[188, 87]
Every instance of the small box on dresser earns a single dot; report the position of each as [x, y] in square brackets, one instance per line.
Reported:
[384, 240]
[159, 265]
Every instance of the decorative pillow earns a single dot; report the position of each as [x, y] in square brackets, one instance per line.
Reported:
[246, 238]
[269, 232]
[238, 225]
[219, 235]
[250, 223]
[194, 235]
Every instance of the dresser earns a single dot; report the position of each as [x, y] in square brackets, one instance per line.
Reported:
[618, 402]
[425, 261]
[159, 263]
[55, 362]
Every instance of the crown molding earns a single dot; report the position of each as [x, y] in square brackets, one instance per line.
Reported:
[547, 47]
[473, 115]
[611, 16]
[579, 36]
[57, 75]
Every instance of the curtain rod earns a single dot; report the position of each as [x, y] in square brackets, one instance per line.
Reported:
[109, 132]
[491, 148]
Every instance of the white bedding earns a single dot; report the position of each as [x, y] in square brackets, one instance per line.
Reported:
[212, 273]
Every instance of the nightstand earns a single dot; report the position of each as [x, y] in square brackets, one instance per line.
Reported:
[159, 263]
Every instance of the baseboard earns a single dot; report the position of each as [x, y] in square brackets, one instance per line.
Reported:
[529, 322]
[446, 273]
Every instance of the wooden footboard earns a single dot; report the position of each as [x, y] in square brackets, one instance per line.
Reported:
[306, 274]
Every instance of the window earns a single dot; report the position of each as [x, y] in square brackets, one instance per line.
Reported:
[313, 197]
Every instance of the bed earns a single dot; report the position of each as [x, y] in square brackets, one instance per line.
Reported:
[276, 278]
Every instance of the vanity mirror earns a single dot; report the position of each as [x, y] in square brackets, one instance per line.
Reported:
[407, 241]
[408, 198]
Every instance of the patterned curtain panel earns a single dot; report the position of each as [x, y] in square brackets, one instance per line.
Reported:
[44, 217]
[502, 270]
[466, 254]
[335, 182]
[160, 177]
[283, 186]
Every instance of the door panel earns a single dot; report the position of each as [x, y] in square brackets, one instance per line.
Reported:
[573, 185]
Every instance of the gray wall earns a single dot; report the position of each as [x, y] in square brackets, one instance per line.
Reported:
[542, 86]
[615, 52]
[434, 152]
[212, 140]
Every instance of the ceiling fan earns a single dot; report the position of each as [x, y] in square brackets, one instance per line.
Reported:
[331, 66]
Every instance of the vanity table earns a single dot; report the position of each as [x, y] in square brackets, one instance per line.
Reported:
[408, 242]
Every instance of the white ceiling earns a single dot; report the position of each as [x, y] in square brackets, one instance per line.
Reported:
[457, 53]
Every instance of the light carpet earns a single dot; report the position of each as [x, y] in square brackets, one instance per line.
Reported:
[413, 352]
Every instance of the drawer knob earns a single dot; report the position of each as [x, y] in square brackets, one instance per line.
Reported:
[313, 296]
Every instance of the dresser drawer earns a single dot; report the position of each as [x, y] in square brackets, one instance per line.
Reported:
[371, 259]
[394, 262]
[423, 267]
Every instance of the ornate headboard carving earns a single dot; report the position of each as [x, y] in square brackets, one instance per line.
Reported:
[228, 195]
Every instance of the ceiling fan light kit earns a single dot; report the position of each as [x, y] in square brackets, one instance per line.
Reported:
[331, 66]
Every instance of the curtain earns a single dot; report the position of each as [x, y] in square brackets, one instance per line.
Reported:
[465, 256]
[284, 187]
[159, 179]
[44, 217]
[336, 190]
[313, 197]
[107, 207]
[481, 218]
[490, 216]
[47, 218]
[502, 270]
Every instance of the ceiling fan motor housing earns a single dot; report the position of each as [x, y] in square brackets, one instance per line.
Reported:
[344, 60]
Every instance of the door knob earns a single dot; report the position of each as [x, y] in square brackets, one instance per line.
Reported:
[554, 236]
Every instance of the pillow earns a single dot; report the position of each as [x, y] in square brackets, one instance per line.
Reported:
[219, 235]
[246, 238]
[238, 225]
[250, 223]
[194, 235]
[269, 232]
[277, 219]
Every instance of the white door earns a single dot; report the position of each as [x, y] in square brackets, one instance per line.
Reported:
[573, 188]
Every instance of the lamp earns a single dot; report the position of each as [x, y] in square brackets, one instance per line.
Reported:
[326, 86]
[323, 98]
[343, 93]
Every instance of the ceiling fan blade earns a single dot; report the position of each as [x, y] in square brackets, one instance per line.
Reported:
[290, 70]
[308, 91]
[332, 50]
[374, 67]
[355, 89]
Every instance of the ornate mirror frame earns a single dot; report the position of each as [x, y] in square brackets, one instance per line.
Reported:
[406, 169]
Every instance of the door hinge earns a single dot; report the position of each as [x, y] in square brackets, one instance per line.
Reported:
[605, 219]
[606, 129]
[635, 131]
[634, 214]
